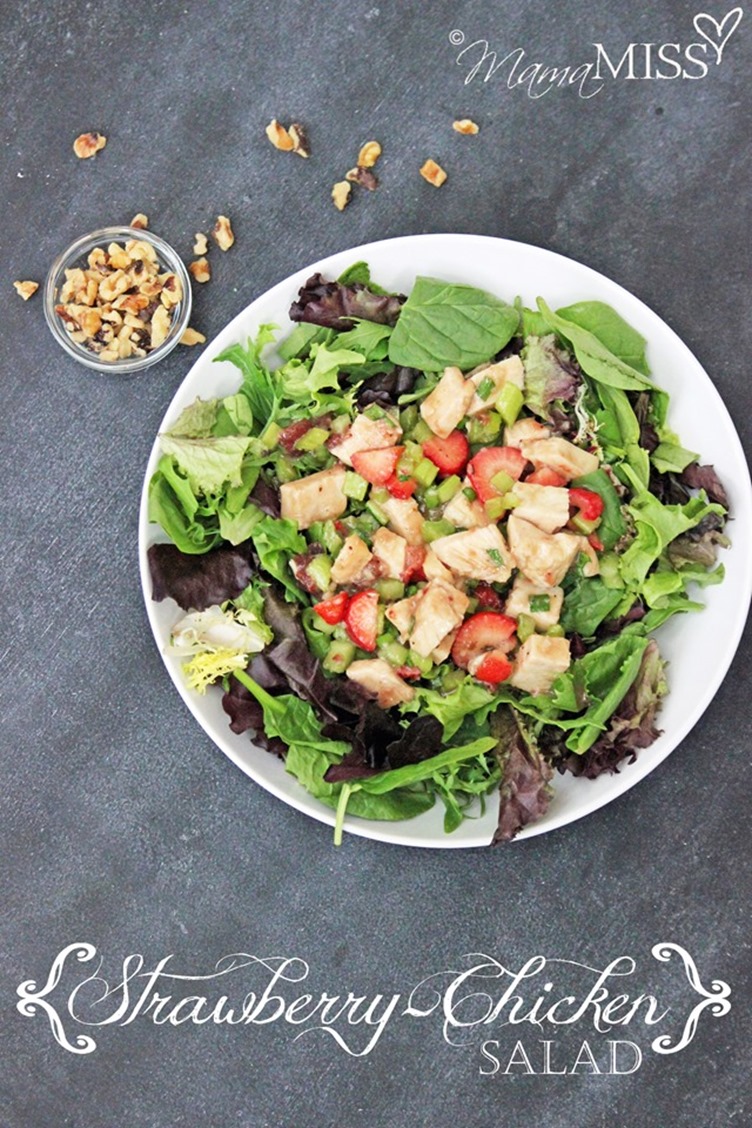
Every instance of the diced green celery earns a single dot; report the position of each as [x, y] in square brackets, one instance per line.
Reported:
[394, 653]
[312, 439]
[583, 526]
[365, 524]
[380, 494]
[472, 605]
[421, 432]
[340, 633]
[431, 498]
[432, 530]
[339, 424]
[320, 571]
[556, 631]
[610, 573]
[376, 511]
[502, 481]
[451, 678]
[390, 590]
[425, 665]
[339, 656]
[495, 508]
[374, 411]
[354, 486]
[485, 388]
[484, 428]
[409, 416]
[470, 493]
[286, 472]
[525, 627]
[314, 622]
[425, 472]
[509, 403]
[448, 488]
[270, 436]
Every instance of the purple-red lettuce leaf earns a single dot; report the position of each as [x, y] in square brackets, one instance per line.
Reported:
[525, 789]
[336, 306]
[198, 582]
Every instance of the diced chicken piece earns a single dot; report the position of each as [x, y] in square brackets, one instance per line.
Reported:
[518, 603]
[402, 615]
[351, 560]
[366, 434]
[433, 569]
[544, 506]
[440, 609]
[441, 652]
[544, 558]
[561, 456]
[447, 404]
[465, 514]
[404, 518]
[377, 676]
[539, 661]
[391, 549]
[479, 553]
[317, 497]
[524, 431]
[509, 371]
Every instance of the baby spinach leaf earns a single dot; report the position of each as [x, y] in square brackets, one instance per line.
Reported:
[593, 356]
[444, 324]
[611, 329]
[587, 603]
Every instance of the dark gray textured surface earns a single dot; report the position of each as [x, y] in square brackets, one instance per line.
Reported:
[121, 824]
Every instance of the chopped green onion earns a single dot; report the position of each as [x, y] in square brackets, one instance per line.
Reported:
[470, 493]
[485, 388]
[495, 557]
[540, 603]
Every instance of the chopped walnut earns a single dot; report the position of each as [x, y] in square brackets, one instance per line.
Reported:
[363, 176]
[279, 136]
[26, 289]
[466, 126]
[369, 154]
[140, 221]
[299, 138]
[192, 337]
[341, 194]
[87, 144]
[160, 326]
[433, 173]
[200, 270]
[201, 243]
[222, 233]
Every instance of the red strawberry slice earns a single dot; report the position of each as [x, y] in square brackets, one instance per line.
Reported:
[415, 555]
[332, 610]
[401, 487]
[409, 673]
[450, 454]
[492, 667]
[589, 503]
[362, 618]
[377, 466]
[488, 598]
[490, 461]
[486, 630]
[545, 476]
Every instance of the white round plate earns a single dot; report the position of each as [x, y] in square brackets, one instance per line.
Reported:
[698, 646]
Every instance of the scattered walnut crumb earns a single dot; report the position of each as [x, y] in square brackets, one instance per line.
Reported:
[279, 136]
[140, 221]
[87, 144]
[341, 194]
[192, 337]
[433, 173]
[369, 154]
[363, 176]
[26, 289]
[201, 243]
[466, 126]
[299, 138]
[222, 233]
[200, 270]
[121, 304]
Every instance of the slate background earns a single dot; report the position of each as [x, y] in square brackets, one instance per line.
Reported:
[121, 824]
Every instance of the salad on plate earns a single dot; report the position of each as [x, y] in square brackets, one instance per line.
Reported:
[424, 549]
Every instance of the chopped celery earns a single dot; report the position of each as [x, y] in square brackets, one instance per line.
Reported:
[484, 428]
[374, 411]
[556, 631]
[354, 486]
[525, 627]
[425, 665]
[409, 417]
[390, 590]
[425, 472]
[339, 424]
[448, 488]
[320, 571]
[376, 512]
[421, 432]
[312, 439]
[431, 498]
[502, 481]
[339, 656]
[451, 678]
[394, 653]
[509, 403]
[270, 436]
[286, 472]
[432, 530]
[583, 526]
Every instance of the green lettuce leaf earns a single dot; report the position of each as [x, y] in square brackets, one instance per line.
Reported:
[208, 463]
[275, 541]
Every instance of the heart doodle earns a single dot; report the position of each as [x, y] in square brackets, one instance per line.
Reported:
[717, 35]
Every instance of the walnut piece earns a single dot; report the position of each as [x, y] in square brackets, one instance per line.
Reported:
[299, 138]
[341, 194]
[87, 144]
[200, 270]
[433, 173]
[140, 221]
[222, 233]
[201, 243]
[369, 154]
[466, 126]
[363, 176]
[192, 337]
[26, 289]
[279, 136]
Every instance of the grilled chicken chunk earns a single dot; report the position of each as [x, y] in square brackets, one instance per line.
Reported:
[377, 676]
[539, 661]
[447, 404]
[317, 497]
[481, 554]
[544, 558]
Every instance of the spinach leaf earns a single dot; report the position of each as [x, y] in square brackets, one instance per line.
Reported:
[587, 603]
[368, 338]
[594, 358]
[360, 273]
[443, 324]
[611, 330]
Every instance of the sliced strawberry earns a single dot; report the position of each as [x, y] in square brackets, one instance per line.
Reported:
[332, 610]
[545, 476]
[377, 466]
[289, 436]
[595, 542]
[492, 667]
[490, 461]
[488, 598]
[362, 618]
[401, 487]
[589, 503]
[415, 554]
[449, 454]
[409, 673]
[486, 630]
